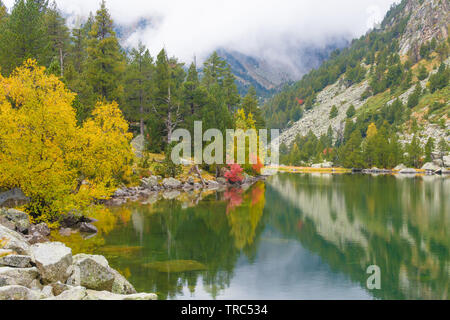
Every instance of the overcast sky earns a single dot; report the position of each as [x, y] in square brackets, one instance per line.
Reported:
[262, 28]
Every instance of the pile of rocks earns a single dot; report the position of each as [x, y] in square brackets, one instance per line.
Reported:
[171, 188]
[19, 221]
[48, 271]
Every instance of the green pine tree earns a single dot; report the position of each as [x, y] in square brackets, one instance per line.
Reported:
[58, 35]
[250, 105]
[334, 112]
[429, 147]
[23, 36]
[351, 112]
[105, 62]
[415, 152]
[139, 82]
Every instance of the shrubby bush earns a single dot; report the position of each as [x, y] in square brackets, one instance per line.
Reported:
[60, 165]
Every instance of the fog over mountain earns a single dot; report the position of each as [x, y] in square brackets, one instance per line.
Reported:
[273, 33]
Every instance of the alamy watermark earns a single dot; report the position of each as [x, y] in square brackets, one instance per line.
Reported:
[374, 281]
[240, 147]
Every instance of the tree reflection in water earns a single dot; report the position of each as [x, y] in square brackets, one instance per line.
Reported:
[179, 248]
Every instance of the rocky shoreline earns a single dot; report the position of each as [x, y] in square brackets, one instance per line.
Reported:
[171, 188]
[33, 268]
[49, 271]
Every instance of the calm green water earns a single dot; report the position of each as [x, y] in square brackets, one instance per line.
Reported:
[294, 237]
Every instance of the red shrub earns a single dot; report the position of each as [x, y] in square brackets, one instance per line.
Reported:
[234, 175]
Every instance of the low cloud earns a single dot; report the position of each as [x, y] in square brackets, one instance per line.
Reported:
[254, 27]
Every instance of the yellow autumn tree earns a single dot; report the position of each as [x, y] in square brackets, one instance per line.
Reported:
[372, 131]
[57, 164]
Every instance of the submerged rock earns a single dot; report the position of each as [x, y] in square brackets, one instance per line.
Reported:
[176, 266]
[53, 260]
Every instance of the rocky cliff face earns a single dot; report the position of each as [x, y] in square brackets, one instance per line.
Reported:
[428, 19]
[424, 20]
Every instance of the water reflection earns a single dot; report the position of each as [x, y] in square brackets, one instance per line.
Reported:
[295, 237]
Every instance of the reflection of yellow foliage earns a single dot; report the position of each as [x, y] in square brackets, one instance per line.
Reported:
[126, 272]
[106, 220]
[245, 218]
[124, 214]
[78, 244]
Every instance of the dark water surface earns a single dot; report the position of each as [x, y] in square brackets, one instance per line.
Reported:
[293, 237]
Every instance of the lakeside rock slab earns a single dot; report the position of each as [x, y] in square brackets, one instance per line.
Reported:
[105, 296]
[18, 293]
[15, 261]
[171, 183]
[18, 276]
[13, 241]
[91, 272]
[53, 260]
[75, 293]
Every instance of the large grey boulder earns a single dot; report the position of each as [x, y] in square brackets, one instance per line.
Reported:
[400, 167]
[15, 292]
[221, 181]
[447, 162]
[20, 219]
[15, 261]
[430, 166]
[171, 183]
[74, 293]
[53, 260]
[94, 272]
[121, 285]
[105, 296]
[18, 276]
[13, 241]
[150, 183]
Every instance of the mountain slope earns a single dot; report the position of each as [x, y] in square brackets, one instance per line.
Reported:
[267, 75]
[370, 75]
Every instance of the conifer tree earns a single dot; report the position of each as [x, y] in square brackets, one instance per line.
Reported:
[3, 11]
[106, 62]
[413, 99]
[250, 106]
[23, 35]
[429, 147]
[415, 152]
[351, 112]
[58, 34]
[139, 83]
[168, 107]
[195, 97]
[334, 112]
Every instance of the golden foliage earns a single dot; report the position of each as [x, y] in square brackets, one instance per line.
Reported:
[56, 163]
